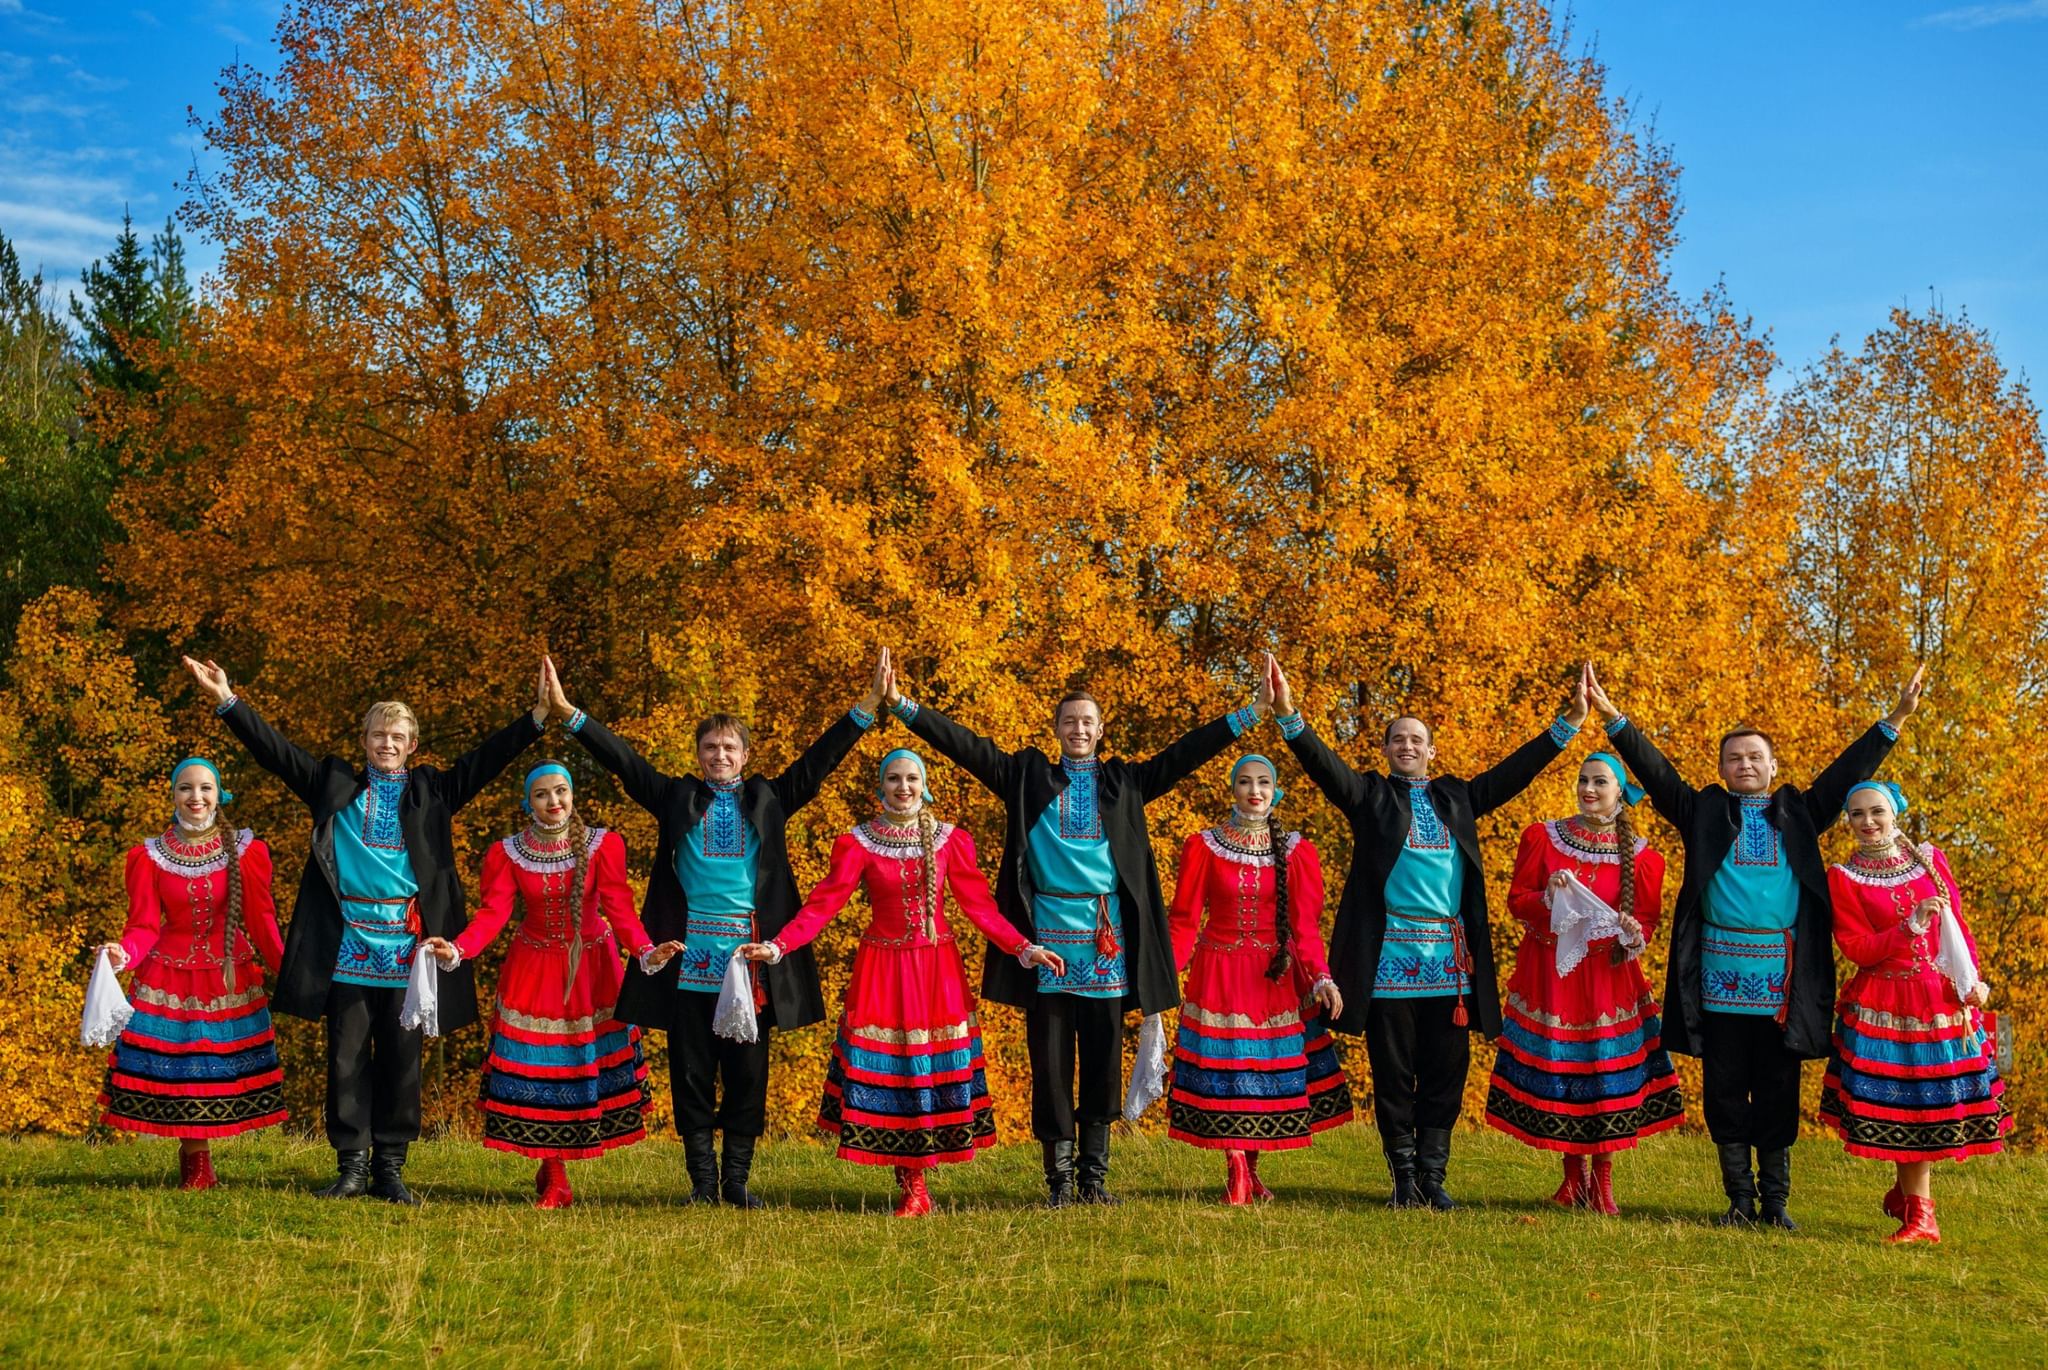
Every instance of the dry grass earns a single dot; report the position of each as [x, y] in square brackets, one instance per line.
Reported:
[111, 1264]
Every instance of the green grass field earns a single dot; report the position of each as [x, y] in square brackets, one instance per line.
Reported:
[108, 1263]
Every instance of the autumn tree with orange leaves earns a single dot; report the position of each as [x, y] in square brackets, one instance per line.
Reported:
[709, 345]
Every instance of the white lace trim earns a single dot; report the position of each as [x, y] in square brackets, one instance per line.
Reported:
[1213, 839]
[1906, 876]
[164, 862]
[559, 865]
[1554, 829]
[900, 851]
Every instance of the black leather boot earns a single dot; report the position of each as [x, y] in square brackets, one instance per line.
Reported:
[1738, 1183]
[1774, 1178]
[1059, 1172]
[739, 1163]
[1432, 1164]
[1400, 1149]
[700, 1162]
[352, 1176]
[1091, 1173]
[387, 1178]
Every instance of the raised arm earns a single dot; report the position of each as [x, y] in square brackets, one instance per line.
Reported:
[977, 755]
[1499, 783]
[1340, 784]
[647, 787]
[1830, 789]
[800, 784]
[259, 905]
[466, 777]
[1675, 799]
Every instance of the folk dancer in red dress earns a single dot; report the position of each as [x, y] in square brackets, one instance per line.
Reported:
[564, 1080]
[198, 1059]
[1909, 1080]
[1253, 1065]
[906, 1086]
[1581, 1067]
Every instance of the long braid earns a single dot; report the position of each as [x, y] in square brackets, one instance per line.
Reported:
[231, 848]
[1625, 867]
[579, 838]
[927, 845]
[1283, 931]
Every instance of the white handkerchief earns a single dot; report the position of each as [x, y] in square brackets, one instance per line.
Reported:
[732, 1017]
[1148, 1072]
[422, 1006]
[107, 1010]
[1578, 918]
[1953, 958]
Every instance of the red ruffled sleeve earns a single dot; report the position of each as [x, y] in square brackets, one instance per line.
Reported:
[1190, 894]
[972, 896]
[499, 891]
[1305, 895]
[145, 907]
[1649, 908]
[614, 897]
[259, 905]
[1531, 875]
[849, 864]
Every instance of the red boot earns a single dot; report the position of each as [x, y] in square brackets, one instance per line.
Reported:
[1600, 1190]
[195, 1170]
[1259, 1190]
[916, 1200]
[555, 1193]
[1237, 1178]
[540, 1180]
[1919, 1225]
[1572, 1192]
[1895, 1203]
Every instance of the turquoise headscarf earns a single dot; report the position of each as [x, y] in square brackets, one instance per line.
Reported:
[923, 775]
[225, 797]
[1631, 793]
[544, 768]
[1886, 788]
[1246, 760]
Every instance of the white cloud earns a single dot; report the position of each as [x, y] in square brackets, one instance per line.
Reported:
[87, 80]
[1985, 16]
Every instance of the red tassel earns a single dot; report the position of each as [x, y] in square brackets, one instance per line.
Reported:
[1105, 942]
[1459, 1018]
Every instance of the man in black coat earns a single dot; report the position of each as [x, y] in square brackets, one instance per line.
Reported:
[1752, 969]
[381, 874]
[1078, 877]
[721, 878]
[1411, 950]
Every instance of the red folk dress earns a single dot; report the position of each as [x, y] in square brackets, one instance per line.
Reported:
[1253, 1068]
[198, 1058]
[906, 1085]
[1909, 1077]
[565, 1080]
[1581, 1066]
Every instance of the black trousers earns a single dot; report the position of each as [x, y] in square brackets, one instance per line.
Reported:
[373, 1069]
[1751, 1086]
[1419, 1058]
[699, 1060]
[1062, 1031]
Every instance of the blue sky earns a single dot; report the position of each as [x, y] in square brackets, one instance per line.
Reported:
[1838, 158]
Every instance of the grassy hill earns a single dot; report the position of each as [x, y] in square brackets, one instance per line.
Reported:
[109, 1262]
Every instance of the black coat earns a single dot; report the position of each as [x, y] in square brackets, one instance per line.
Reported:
[327, 785]
[1028, 782]
[679, 803]
[1380, 816]
[1708, 821]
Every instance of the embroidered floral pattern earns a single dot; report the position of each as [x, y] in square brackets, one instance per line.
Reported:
[1757, 843]
[1080, 811]
[1426, 831]
[380, 810]
[725, 827]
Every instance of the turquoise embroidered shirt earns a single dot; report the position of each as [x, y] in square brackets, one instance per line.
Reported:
[1070, 856]
[1752, 904]
[1418, 957]
[717, 862]
[377, 885]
